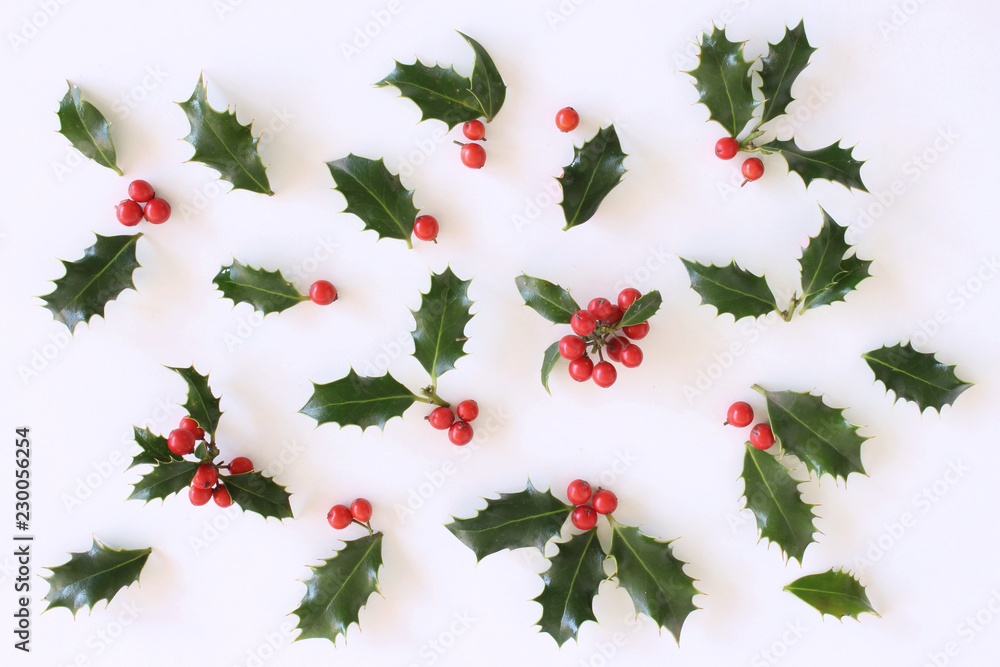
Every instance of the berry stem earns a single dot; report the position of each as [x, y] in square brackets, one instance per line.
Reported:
[429, 395]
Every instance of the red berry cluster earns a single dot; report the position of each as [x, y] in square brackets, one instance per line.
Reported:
[584, 516]
[741, 414]
[142, 202]
[726, 148]
[205, 485]
[473, 154]
[597, 328]
[342, 516]
[323, 293]
[460, 430]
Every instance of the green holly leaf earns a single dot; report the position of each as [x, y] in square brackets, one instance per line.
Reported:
[87, 129]
[254, 492]
[835, 592]
[266, 291]
[547, 299]
[814, 432]
[653, 577]
[201, 405]
[853, 271]
[914, 376]
[548, 363]
[104, 272]
[486, 84]
[164, 480]
[597, 167]
[358, 401]
[774, 498]
[338, 589]
[826, 275]
[731, 289]
[91, 576]
[782, 64]
[723, 80]
[571, 584]
[220, 142]
[832, 163]
[376, 196]
[529, 518]
[641, 309]
[154, 449]
[439, 336]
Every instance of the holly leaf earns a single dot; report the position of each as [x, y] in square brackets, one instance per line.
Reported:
[528, 518]
[782, 64]
[104, 272]
[731, 289]
[814, 432]
[439, 93]
[154, 449]
[723, 80]
[853, 271]
[836, 593]
[201, 405]
[548, 363]
[91, 576]
[571, 584]
[358, 401]
[914, 376]
[86, 128]
[641, 309]
[653, 577]
[774, 498]
[547, 299]
[164, 480]
[220, 142]
[439, 336]
[376, 196]
[486, 84]
[597, 167]
[338, 589]
[266, 291]
[254, 492]
[826, 275]
[831, 163]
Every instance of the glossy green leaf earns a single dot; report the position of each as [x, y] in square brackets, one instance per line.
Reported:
[915, 376]
[254, 492]
[826, 275]
[597, 167]
[547, 299]
[783, 62]
[201, 404]
[835, 592]
[486, 83]
[376, 196]
[164, 480]
[220, 142]
[731, 289]
[266, 291]
[154, 449]
[358, 401]
[831, 163]
[571, 584]
[104, 272]
[87, 129]
[774, 498]
[440, 93]
[853, 271]
[338, 589]
[641, 309]
[439, 336]
[91, 576]
[549, 360]
[723, 80]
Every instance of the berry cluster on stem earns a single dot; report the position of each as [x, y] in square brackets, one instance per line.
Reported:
[359, 512]
[597, 329]
[443, 418]
[589, 504]
[142, 203]
[190, 439]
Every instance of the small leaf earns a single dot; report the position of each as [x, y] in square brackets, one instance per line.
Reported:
[486, 84]
[547, 299]
[782, 64]
[731, 289]
[254, 492]
[853, 271]
[826, 275]
[439, 336]
[266, 291]
[774, 498]
[723, 80]
[201, 404]
[835, 592]
[220, 142]
[376, 196]
[915, 376]
[87, 129]
[358, 401]
[164, 480]
[548, 363]
[440, 93]
[831, 163]
[104, 272]
[597, 167]
[338, 589]
[91, 576]
[154, 449]
[571, 584]
[529, 518]
[641, 309]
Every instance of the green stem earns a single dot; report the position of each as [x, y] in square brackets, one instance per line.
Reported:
[429, 395]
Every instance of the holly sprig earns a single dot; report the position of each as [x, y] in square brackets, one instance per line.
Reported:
[94, 575]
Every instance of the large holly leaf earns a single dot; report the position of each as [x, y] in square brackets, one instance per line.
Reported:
[835, 592]
[358, 401]
[831, 163]
[439, 93]
[723, 80]
[254, 492]
[547, 299]
[549, 360]
[221, 143]
[571, 584]
[826, 275]
[597, 167]
[814, 432]
[91, 576]
[731, 289]
[266, 291]
[87, 129]
[376, 196]
[653, 577]
[439, 337]
[486, 84]
[915, 376]
[154, 449]
[782, 64]
[164, 480]
[641, 309]
[201, 404]
[104, 272]
[338, 589]
[774, 498]
[528, 518]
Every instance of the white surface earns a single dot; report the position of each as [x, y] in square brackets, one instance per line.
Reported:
[282, 65]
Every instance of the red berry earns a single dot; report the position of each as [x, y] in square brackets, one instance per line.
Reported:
[199, 495]
[339, 516]
[605, 502]
[206, 476]
[157, 211]
[323, 293]
[601, 308]
[474, 130]
[631, 356]
[726, 148]
[581, 369]
[752, 169]
[361, 510]
[614, 348]
[189, 424]
[473, 156]
[567, 119]
[578, 492]
[740, 414]
[583, 322]
[441, 418]
[222, 497]
[140, 191]
[199, 433]
[240, 465]
[605, 374]
[615, 316]
[627, 297]
[128, 213]
[425, 227]
[467, 410]
[460, 433]
[572, 347]
[584, 517]
[761, 436]
[637, 331]
[180, 441]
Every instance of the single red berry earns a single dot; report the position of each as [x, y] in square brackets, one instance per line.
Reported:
[583, 322]
[578, 492]
[726, 148]
[222, 497]
[601, 308]
[189, 424]
[199, 495]
[637, 331]
[752, 169]
[460, 433]
[467, 410]
[473, 156]
[140, 191]
[605, 502]
[339, 516]
[323, 293]
[474, 130]
[567, 119]
[206, 476]
[631, 356]
[584, 517]
[199, 433]
[627, 297]
[581, 369]
[761, 436]
[441, 418]
[128, 213]
[240, 465]
[614, 348]
[605, 374]
[615, 315]
[740, 414]
[425, 227]
[361, 510]
[180, 441]
[572, 347]
[157, 211]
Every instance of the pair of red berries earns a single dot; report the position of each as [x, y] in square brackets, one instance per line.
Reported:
[596, 327]
[182, 439]
[741, 414]
[323, 293]
[142, 202]
[473, 154]
[341, 516]
[460, 430]
[584, 516]
[726, 148]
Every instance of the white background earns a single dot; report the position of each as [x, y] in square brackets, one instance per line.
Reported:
[901, 80]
